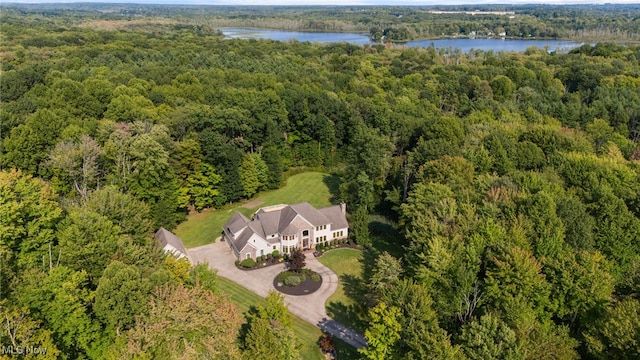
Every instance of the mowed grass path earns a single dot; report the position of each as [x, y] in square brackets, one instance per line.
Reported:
[346, 264]
[316, 188]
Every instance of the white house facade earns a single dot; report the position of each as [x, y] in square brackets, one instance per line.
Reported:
[285, 228]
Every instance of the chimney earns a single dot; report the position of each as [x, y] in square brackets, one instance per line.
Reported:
[343, 208]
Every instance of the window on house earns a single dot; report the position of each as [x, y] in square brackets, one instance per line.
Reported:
[274, 247]
[305, 233]
[248, 256]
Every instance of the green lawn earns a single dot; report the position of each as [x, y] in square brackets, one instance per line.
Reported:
[319, 189]
[341, 306]
[307, 334]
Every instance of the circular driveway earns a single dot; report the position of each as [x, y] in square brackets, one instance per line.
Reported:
[310, 307]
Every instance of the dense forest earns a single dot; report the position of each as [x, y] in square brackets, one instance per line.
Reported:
[512, 181]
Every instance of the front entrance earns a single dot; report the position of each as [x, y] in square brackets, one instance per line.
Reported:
[305, 239]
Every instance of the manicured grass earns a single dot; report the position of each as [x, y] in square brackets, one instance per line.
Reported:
[317, 188]
[346, 264]
[307, 334]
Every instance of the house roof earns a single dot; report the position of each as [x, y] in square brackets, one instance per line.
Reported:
[278, 220]
[311, 214]
[337, 219]
[286, 217]
[291, 228]
[270, 221]
[305, 211]
[165, 237]
[236, 223]
[241, 241]
[256, 227]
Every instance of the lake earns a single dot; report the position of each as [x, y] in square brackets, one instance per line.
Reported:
[464, 45]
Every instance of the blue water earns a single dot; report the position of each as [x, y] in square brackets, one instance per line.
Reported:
[464, 45]
[321, 37]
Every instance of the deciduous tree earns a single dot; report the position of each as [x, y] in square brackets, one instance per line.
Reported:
[77, 163]
[186, 323]
[249, 176]
[383, 332]
[617, 333]
[30, 215]
[21, 331]
[121, 295]
[297, 260]
[269, 331]
[489, 338]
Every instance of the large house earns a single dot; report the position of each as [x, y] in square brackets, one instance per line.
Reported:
[285, 228]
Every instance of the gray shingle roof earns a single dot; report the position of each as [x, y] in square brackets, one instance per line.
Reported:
[165, 237]
[286, 217]
[269, 221]
[305, 211]
[256, 227]
[241, 240]
[311, 214]
[236, 223]
[337, 219]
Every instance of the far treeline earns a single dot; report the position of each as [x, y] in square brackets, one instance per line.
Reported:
[512, 179]
[619, 22]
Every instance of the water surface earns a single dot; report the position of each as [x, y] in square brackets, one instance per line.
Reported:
[464, 45]
[280, 35]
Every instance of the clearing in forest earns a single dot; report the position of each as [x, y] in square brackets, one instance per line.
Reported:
[318, 189]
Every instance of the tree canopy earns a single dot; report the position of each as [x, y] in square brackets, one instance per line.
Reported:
[496, 193]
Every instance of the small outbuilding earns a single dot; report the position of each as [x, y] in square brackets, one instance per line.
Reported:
[172, 244]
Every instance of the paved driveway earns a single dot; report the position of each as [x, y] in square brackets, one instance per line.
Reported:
[310, 307]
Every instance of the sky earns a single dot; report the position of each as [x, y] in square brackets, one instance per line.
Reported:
[333, 2]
